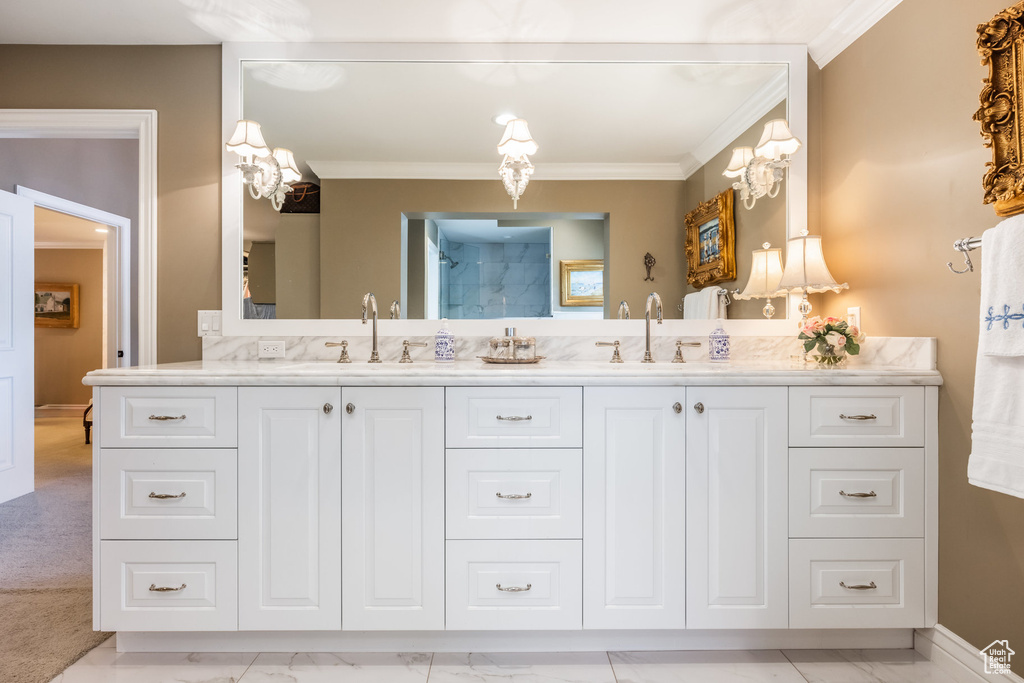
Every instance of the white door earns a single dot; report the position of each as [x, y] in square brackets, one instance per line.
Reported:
[737, 507]
[289, 508]
[17, 347]
[393, 508]
[634, 508]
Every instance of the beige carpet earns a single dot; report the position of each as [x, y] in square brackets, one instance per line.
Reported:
[46, 560]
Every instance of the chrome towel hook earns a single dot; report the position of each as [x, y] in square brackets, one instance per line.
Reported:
[964, 246]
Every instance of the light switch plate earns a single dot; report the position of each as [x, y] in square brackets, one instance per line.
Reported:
[209, 324]
[853, 317]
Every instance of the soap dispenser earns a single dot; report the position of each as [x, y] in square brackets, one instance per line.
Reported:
[718, 344]
[444, 344]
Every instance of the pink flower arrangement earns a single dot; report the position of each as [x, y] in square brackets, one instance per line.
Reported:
[833, 336]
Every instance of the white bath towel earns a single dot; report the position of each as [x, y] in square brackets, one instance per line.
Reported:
[704, 304]
[997, 440]
[1002, 289]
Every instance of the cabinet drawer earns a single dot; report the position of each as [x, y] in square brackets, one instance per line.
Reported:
[514, 417]
[856, 583]
[199, 576]
[168, 417]
[164, 493]
[535, 493]
[856, 492]
[856, 416]
[513, 585]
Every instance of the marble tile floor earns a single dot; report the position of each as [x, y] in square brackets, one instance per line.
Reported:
[106, 665]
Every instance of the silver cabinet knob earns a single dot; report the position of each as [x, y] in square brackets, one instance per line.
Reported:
[699, 407]
[350, 409]
[328, 409]
[678, 407]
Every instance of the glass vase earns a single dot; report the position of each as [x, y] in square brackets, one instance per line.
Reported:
[830, 357]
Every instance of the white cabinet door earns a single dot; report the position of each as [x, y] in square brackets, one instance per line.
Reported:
[393, 508]
[633, 508]
[289, 508]
[737, 507]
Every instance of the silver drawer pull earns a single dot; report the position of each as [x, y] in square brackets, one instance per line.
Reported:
[869, 494]
[513, 496]
[857, 417]
[163, 496]
[515, 418]
[165, 589]
[165, 418]
[513, 589]
[859, 587]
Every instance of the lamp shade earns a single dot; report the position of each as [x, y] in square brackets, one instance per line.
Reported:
[776, 140]
[741, 156]
[247, 140]
[765, 274]
[289, 171]
[805, 268]
[516, 140]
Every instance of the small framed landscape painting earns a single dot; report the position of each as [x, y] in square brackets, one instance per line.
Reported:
[582, 282]
[57, 304]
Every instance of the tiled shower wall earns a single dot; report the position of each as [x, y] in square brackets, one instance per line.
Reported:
[496, 280]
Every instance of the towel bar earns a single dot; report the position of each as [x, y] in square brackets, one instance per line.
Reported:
[963, 246]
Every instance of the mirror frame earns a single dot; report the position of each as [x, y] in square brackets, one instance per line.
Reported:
[234, 54]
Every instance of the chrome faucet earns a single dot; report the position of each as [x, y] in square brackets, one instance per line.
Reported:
[396, 310]
[653, 296]
[623, 310]
[369, 298]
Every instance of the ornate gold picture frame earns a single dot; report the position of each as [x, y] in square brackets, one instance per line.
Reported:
[711, 241]
[582, 282]
[1001, 114]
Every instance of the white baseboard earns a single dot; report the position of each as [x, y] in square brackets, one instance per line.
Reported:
[61, 410]
[956, 656]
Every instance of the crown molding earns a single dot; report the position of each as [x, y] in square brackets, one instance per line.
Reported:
[335, 170]
[69, 245]
[848, 26]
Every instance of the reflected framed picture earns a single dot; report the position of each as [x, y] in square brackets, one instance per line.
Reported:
[711, 241]
[57, 305]
[582, 282]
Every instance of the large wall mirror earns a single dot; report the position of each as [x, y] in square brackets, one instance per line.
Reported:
[402, 141]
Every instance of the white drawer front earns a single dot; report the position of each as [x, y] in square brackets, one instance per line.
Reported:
[535, 493]
[856, 583]
[514, 417]
[856, 416]
[855, 492]
[199, 578]
[168, 417]
[168, 494]
[512, 585]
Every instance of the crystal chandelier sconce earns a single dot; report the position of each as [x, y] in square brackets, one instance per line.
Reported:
[765, 276]
[516, 145]
[760, 169]
[269, 175]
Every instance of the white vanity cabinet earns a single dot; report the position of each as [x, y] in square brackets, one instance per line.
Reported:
[736, 507]
[289, 505]
[392, 485]
[634, 510]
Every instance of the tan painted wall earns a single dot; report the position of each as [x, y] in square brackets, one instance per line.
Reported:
[297, 263]
[183, 84]
[901, 169]
[263, 272]
[63, 356]
[360, 236]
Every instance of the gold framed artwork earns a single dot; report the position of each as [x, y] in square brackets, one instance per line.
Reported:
[1000, 42]
[711, 241]
[57, 305]
[582, 282]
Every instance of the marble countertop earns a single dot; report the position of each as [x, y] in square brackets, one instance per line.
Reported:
[469, 373]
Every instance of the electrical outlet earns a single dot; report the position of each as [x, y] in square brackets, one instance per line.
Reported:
[853, 317]
[270, 349]
[209, 323]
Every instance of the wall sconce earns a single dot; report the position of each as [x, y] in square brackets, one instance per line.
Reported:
[765, 276]
[516, 169]
[269, 175]
[761, 169]
[806, 272]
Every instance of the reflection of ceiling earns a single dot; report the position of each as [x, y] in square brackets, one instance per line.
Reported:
[60, 229]
[487, 231]
[434, 120]
[826, 26]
